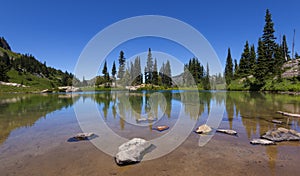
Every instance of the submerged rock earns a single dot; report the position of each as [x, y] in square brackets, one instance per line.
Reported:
[281, 134]
[161, 128]
[288, 114]
[230, 132]
[203, 129]
[149, 119]
[277, 121]
[82, 136]
[261, 142]
[132, 151]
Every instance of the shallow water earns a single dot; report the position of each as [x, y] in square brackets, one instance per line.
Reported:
[34, 129]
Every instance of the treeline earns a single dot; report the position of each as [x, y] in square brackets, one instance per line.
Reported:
[194, 74]
[132, 75]
[257, 66]
[25, 63]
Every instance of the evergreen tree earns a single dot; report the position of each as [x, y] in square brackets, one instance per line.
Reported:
[244, 66]
[262, 66]
[105, 74]
[139, 71]
[168, 74]
[268, 40]
[161, 74]
[126, 77]
[196, 70]
[136, 74]
[149, 68]
[114, 72]
[228, 68]
[165, 74]
[121, 71]
[206, 84]
[155, 73]
[4, 67]
[279, 60]
[252, 60]
[187, 77]
[3, 72]
[285, 49]
[236, 68]
[132, 74]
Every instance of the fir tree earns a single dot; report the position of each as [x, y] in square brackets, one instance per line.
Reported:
[121, 71]
[252, 60]
[168, 74]
[105, 73]
[279, 60]
[236, 68]
[262, 66]
[161, 74]
[155, 73]
[206, 84]
[285, 49]
[136, 72]
[196, 70]
[228, 68]
[268, 40]
[114, 71]
[140, 78]
[244, 62]
[149, 68]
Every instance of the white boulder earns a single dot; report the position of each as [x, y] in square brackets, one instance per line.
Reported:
[261, 142]
[132, 151]
[203, 129]
[230, 132]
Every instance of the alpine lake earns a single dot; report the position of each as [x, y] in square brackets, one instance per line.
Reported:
[35, 128]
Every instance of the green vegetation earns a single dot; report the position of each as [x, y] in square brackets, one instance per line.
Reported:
[133, 76]
[259, 69]
[194, 74]
[262, 71]
[26, 70]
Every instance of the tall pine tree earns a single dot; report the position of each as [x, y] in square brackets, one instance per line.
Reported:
[105, 74]
[262, 66]
[252, 60]
[155, 73]
[236, 69]
[206, 84]
[168, 74]
[228, 68]
[114, 72]
[244, 66]
[269, 43]
[285, 49]
[121, 71]
[149, 68]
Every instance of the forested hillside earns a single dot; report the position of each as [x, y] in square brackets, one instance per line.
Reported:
[26, 70]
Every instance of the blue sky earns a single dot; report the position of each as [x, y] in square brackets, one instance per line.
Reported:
[57, 31]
